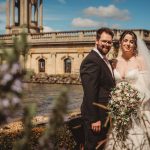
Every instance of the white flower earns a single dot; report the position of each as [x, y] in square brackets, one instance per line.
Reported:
[15, 100]
[4, 68]
[6, 78]
[15, 68]
[132, 100]
[5, 102]
[17, 86]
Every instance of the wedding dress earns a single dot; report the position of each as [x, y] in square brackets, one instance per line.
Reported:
[139, 134]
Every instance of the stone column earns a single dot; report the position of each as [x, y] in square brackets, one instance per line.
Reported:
[30, 13]
[28, 63]
[22, 62]
[41, 15]
[21, 12]
[36, 12]
[25, 12]
[7, 16]
[13, 12]
[52, 63]
[25, 15]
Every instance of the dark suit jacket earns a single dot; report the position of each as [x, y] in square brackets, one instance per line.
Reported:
[97, 82]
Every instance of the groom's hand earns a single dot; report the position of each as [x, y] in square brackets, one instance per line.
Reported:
[96, 126]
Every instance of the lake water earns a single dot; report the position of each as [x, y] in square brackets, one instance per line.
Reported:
[44, 94]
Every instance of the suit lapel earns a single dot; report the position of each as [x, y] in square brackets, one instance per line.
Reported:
[104, 64]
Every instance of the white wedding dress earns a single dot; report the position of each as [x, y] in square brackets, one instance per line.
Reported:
[139, 133]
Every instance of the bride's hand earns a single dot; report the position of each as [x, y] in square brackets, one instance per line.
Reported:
[96, 126]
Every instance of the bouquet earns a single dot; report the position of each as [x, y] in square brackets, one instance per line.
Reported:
[124, 106]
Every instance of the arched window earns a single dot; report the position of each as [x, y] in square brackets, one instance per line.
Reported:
[33, 13]
[17, 14]
[41, 65]
[67, 65]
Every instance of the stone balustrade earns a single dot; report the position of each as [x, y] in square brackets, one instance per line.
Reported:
[70, 36]
[64, 36]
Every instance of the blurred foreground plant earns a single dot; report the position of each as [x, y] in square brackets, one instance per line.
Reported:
[23, 144]
[11, 73]
[56, 136]
[56, 130]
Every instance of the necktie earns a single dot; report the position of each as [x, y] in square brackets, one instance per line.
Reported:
[105, 59]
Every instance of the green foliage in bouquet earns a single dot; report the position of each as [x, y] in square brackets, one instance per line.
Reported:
[124, 106]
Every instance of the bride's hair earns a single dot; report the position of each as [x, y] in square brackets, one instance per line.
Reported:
[134, 38]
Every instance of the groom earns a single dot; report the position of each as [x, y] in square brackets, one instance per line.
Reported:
[97, 81]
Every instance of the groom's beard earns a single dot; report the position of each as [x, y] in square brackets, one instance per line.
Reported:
[102, 50]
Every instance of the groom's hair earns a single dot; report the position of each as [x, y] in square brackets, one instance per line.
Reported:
[106, 30]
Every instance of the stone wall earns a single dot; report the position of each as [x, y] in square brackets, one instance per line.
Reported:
[55, 79]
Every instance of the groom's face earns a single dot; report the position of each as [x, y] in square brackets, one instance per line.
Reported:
[104, 43]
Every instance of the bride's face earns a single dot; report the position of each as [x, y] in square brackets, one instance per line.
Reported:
[128, 45]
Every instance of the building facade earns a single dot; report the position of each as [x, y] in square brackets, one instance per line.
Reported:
[52, 52]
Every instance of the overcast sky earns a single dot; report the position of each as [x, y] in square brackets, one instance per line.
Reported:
[64, 15]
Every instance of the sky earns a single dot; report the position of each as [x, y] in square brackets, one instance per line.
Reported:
[66, 15]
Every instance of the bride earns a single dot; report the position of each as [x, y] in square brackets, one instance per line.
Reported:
[133, 66]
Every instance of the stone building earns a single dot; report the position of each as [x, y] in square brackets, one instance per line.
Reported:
[52, 52]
